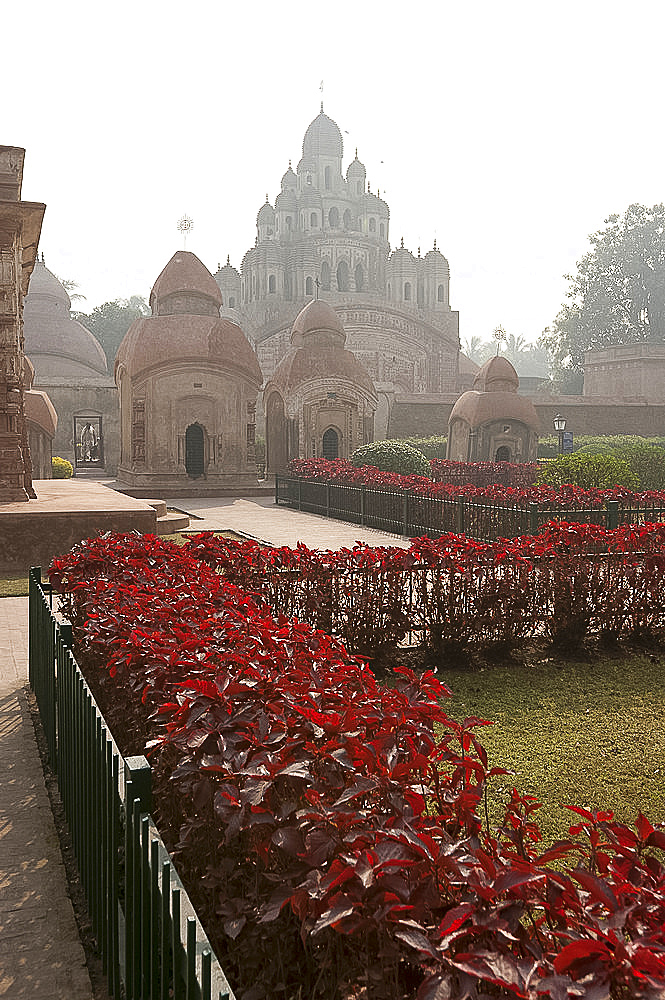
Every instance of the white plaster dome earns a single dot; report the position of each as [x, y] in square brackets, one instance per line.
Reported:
[322, 138]
[356, 172]
[266, 216]
[57, 345]
[289, 180]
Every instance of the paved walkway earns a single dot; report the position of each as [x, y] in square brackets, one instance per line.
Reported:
[259, 517]
[40, 950]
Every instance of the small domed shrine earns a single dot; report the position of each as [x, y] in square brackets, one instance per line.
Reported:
[70, 365]
[491, 423]
[188, 382]
[321, 401]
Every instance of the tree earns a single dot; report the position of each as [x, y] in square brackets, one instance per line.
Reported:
[70, 287]
[111, 321]
[526, 358]
[475, 349]
[618, 293]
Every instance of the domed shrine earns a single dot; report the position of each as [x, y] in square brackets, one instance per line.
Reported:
[188, 382]
[321, 400]
[70, 365]
[491, 422]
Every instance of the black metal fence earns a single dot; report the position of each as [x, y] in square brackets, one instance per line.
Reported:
[150, 940]
[413, 515]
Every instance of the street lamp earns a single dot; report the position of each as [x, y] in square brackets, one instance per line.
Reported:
[560, 426]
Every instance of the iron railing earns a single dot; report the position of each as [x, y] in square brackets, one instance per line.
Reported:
[413, 515]
[150, 940]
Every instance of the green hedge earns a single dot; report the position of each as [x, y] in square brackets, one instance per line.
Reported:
[645, 456]
[431, 447]
[392, 456]
[588, 471]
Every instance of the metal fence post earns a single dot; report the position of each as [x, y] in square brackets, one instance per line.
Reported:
[300, 494]
[612, 517]
[533, 519]
[34, 582]
[65, 630]
[327, 499]
[459, 517]
[138, 800]
[276, 490]
[405, 514]
[362, 506]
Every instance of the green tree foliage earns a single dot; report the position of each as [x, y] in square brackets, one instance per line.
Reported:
[111, 321]
[588, 471]
[618, 293]
[392, 456]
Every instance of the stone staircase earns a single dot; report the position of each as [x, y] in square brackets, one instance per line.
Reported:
[168, 521]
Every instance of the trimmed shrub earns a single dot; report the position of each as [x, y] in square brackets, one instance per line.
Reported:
[392, 456]
[595, 444]
[431, 447]
[62, 469]
[588, 471]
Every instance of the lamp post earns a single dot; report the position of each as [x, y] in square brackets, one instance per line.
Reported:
[560, 426]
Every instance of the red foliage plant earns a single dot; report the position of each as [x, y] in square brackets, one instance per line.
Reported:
[341, 472]
[330, 829]
[570, 581]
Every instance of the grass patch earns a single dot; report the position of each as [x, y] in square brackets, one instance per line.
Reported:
[590, 734]
[14, 586]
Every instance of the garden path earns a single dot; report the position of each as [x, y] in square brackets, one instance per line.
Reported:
[41, 954]
[260, 518]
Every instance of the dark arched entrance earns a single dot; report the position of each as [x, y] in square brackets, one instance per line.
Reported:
[331, 444]
[194, 459]
[502, 454]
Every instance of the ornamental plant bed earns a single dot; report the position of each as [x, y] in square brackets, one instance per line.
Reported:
[331, 831]
[567, 497]
[456, 596]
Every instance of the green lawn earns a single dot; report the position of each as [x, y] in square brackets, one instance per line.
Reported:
[14, 586]
[590, 734]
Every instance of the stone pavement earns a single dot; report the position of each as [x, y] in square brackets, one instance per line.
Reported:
[41, 954]
[40, 950]
[259, 517]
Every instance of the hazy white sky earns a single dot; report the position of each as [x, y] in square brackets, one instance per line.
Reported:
[509, 131]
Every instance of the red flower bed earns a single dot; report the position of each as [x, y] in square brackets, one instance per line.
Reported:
[569, 581]
[520, 475]
[570, 497]
[329, 829]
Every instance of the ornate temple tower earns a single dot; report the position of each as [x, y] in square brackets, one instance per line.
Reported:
[326, 237]
[20, 228]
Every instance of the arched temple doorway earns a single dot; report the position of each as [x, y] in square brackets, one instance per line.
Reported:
[502, 454]
[194, 451]
[331, 444]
